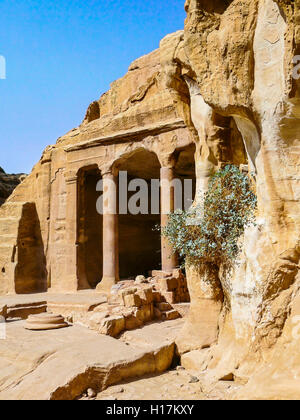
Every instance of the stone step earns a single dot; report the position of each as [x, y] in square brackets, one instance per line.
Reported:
[24, 310]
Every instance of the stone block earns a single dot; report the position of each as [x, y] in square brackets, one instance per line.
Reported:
[96, 319]
[156, 296]
[169, 283]
[132, 300]
[113, 325]
[146, 295]
[159, 273]
[196, 360]
[132, 322]
[164, 306]
[148, 310]
[169, 297]
[145, 313]
[157, 313]
[128, 291]
[140, 314]
[169, 315]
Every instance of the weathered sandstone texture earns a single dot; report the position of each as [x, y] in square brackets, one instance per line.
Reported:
[62, 364]
[241, 53]
[221, 91]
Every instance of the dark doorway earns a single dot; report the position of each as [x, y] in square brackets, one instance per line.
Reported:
[90, 228]
[139, 242]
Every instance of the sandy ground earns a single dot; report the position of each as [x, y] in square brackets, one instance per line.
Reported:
[177, 384]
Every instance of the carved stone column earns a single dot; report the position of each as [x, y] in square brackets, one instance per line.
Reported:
[110, 233]
[70, 279]
[169, 259]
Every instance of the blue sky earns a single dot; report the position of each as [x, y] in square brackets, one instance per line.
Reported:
[60, 56]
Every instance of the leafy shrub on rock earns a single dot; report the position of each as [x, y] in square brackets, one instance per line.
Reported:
[210, 232]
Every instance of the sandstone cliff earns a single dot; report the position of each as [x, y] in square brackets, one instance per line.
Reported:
[241, 54]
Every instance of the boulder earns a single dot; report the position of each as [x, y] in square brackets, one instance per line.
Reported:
[113, 325]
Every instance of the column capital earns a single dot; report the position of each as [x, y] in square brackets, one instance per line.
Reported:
[105, 172]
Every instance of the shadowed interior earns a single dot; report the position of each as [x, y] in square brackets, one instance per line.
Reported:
[139, 243]
[31, 273]
[90, 230]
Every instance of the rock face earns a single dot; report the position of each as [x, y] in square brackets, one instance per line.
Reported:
[7, 184]
[221, 91]
[241, 53]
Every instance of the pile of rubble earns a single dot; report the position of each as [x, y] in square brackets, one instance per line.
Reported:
[133, 303]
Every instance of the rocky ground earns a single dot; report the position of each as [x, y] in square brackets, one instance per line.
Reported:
[139, 364]
[177, 384]
[63, 364]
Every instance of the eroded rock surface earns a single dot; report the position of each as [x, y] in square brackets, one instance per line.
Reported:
[63, 364]
[241, 53]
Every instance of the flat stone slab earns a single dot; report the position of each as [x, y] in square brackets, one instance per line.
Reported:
[21, 306]
[82, 297]
[62, 364]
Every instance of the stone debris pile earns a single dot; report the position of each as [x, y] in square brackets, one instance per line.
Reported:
[133, 303]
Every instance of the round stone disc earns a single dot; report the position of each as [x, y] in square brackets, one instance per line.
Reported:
[45, 321]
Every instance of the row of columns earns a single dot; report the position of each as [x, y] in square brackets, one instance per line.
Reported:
[110, 228]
